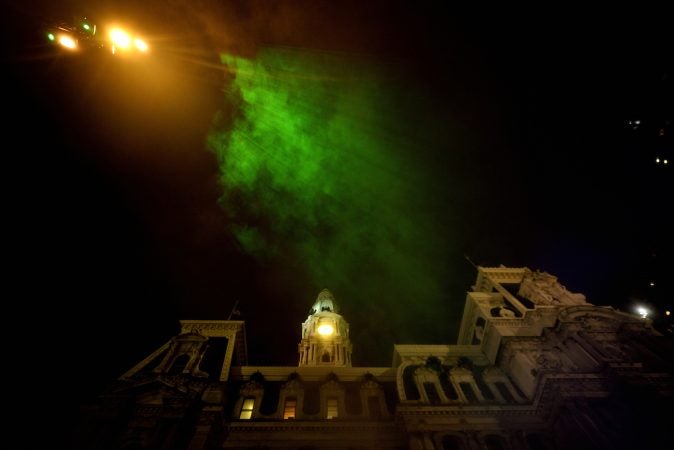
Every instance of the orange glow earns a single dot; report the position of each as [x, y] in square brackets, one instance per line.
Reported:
[325, 330]
[120, 38]
[67, 42]
[141, 45]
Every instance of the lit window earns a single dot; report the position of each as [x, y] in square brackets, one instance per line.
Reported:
[247, 408]
[332, 408]
[289, 408]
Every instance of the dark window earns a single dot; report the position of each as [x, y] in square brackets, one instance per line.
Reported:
[431, 393]
[448, 387]
[325, 357]
[312, 400]
[468, 392]
[374, 407]
[494, 442]
[504, 391]
[270, 400]
[179, 364]
[514, 289]
[452, 443]
[214, 357]
[411, 391]
[537, 442]
[352, 400]
[486, 392]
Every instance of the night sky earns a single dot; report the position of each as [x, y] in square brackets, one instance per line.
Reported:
[264, 151]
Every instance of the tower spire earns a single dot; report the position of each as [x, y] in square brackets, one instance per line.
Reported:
[325, 335]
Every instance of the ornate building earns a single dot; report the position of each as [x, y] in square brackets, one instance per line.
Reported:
[535, 367]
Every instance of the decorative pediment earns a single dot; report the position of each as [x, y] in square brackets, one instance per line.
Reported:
[492, 372]
[332, 385]
[292, 385]
[370, 385]
[460, 372]
[544, 289]
[251, 388]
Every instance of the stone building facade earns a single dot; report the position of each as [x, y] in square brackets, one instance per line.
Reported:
[535, 367]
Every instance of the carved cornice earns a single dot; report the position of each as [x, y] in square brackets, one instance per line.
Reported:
[211, 327]
[370, 385]
[332, 385]
[407, 412]
[251, 388]
[334, 425]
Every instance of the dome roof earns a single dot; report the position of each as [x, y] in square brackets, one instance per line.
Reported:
[325, 302]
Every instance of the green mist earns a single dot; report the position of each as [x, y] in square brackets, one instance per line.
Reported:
[321, 170]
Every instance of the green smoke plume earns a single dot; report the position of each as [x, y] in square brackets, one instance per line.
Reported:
[319, 167]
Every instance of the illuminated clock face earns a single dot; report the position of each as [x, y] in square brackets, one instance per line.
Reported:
[325, 329]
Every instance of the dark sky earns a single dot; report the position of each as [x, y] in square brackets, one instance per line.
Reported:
[111, 198]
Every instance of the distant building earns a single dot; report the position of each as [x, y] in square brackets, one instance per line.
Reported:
[535, 367]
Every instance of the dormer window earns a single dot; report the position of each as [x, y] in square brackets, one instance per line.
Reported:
[247, 408]
[289, 408]
[332, 408]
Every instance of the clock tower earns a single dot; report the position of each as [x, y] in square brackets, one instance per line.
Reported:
[325, 335]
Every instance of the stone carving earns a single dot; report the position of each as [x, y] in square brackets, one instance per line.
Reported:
[544, 289]
[251, 388]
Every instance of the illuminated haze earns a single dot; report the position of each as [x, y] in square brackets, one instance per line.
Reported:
[318, 171]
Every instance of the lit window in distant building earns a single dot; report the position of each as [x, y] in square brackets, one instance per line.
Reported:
[247, 408]
[332, 408]
[289, 408]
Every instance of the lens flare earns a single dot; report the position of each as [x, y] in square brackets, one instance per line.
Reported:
[120, 38]
[141, 45]
[67, 42]
[325, 330]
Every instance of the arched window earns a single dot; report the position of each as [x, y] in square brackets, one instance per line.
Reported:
[452, 443]
[289, 408]
[494, 442]
[179, 364]
[247, 408]
[374, 407]
[332, 409]
[535, 441]
[325, 357]
[431, 393]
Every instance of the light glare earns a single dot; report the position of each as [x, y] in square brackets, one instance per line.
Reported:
[120, 38]
[67, 42]
[643, 312]
[325, 330]
[141, 45]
